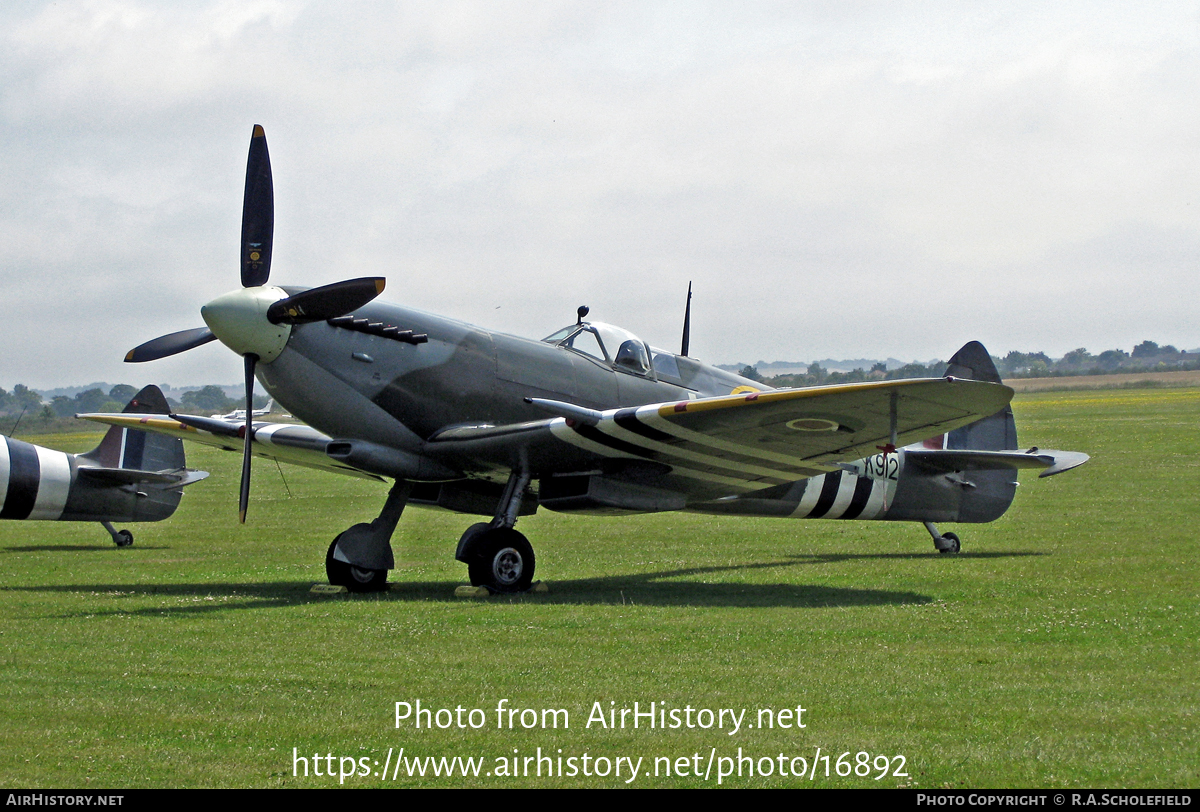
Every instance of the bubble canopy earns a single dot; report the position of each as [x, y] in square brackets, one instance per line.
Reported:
[606, 343]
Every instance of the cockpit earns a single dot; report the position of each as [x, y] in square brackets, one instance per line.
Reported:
[618, 348]
[615, 348]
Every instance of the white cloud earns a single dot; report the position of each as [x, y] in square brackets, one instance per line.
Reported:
[840, 180]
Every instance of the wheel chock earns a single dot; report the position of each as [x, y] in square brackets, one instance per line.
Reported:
[483, 592]
[472, 592]
[328, 589]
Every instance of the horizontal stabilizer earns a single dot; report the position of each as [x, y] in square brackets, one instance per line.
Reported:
[132, 476]
[1052, 461]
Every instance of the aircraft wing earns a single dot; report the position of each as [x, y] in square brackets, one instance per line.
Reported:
[736, 443]
[285, 442]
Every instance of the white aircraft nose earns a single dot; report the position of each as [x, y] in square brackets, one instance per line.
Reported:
[239, 321]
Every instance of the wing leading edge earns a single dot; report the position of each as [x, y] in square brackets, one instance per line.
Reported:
[285, 442]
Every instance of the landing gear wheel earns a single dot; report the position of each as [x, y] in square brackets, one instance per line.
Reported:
[954, 545]
[123, 538]
[503, 561]
[355, 579]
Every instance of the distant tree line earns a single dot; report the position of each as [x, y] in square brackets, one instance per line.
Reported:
[817, 375]
[1146, 357]
[23, 400]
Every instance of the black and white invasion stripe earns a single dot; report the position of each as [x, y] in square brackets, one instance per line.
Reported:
[34, 481]
[643, 433]
[844, 495]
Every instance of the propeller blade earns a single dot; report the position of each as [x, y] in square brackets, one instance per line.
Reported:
[244, 497]
[170, 344]
[325, 302]
[258, 213]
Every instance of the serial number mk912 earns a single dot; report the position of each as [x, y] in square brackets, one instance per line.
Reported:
[882, 466]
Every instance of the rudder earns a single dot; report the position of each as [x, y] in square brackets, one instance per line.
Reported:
[997, 432]
[939, 487]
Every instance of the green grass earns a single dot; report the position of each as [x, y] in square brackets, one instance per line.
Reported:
[1058, 650]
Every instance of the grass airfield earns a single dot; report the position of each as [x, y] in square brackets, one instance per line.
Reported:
[1059, 649]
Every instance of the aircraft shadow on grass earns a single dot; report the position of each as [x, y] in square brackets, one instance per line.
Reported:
[73, 548]
[644, 589]
[834, 558]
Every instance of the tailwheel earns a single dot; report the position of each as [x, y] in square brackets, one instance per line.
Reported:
[502, 560]
[121, 538]
[355, 579]
[943, 542]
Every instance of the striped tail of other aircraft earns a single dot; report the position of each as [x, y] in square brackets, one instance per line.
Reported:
[132, 476]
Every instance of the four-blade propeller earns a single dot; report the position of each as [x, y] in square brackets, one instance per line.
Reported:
[238, 320]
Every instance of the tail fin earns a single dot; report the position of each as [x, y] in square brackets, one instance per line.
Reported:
[140, 450]
[970, 474]
[997, 432]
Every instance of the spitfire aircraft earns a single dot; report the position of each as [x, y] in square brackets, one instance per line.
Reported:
[590, 419]
[132, 476]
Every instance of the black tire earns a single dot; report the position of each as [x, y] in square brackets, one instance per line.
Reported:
[355, 579]
[503, 561]
[954, 547]
[124, 538]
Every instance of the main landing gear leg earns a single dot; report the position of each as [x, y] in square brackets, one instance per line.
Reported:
[121, 538]
[496, 555]
[359, 558]
[943, 542]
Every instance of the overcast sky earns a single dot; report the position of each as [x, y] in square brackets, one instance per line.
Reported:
[837, 179]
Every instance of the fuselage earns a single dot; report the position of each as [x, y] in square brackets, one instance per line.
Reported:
[361, 385]
[387, 382]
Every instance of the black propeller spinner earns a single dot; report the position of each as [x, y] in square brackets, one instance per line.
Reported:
[316, 304]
